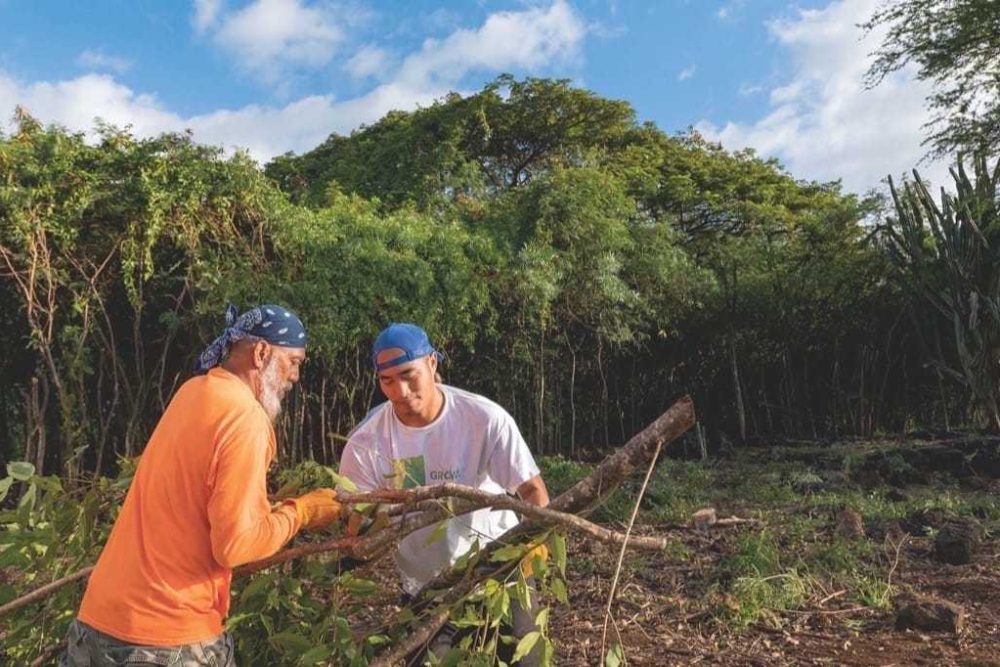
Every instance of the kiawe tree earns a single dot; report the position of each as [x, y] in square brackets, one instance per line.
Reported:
[955, 45]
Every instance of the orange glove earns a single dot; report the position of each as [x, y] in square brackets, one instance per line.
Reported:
[527, 563]
[317, 509]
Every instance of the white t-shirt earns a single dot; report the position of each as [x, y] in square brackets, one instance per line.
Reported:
[473, 442]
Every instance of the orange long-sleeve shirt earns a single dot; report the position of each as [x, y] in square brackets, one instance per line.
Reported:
[196, 509]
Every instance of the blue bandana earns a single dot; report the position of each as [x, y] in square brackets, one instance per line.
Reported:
[275, 324]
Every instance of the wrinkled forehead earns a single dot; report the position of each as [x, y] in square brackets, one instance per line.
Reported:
[290, 353]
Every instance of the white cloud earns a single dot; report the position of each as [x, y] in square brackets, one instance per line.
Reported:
[96, 60]
[264, 131]
[75, 104]
[823, 124]
[272, 36]
[748, 89]
[368, 61]
[687, 72]
[532, 39]
[205, 13]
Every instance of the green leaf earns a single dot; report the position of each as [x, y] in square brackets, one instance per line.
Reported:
[268, 624]
[463, 561]
[255, 587]
[548, 653]
[236, 620]
[27, 501]
[20, 470]
[615, 657]
[5, 486]
[437, 533]
[508, 553]
[522, 594]
[526, 644]
[360, 587]
[453, 658]
[314, 655]
[340, 481]
[542, 618]
[557, 543]
[558, 588]
[292, 642]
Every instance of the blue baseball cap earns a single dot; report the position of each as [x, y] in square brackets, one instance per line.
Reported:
[409, 338]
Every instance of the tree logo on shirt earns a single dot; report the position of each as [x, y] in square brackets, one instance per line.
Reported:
[408, 473]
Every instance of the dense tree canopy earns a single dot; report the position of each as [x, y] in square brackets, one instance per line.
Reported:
[577, 266]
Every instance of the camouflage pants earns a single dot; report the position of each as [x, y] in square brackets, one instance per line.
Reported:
[86, 647]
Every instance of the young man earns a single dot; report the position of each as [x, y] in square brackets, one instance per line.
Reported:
[198, 507]
[431, 433]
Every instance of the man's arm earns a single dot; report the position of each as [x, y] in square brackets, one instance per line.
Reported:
[534, 491]
[243, 526]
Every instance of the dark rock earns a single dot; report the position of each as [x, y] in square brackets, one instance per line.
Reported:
[954, 543]
[930, 615]
[919, 522]
[896, 496]
[834, 477]
[867, 476]
[986, 458]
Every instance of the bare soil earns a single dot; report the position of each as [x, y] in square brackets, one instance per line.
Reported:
[666, 612]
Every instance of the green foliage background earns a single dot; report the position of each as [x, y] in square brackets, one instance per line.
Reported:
[577, 266]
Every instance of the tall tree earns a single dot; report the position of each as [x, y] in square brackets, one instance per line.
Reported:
[955, 45]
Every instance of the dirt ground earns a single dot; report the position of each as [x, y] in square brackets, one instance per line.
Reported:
[665, 617]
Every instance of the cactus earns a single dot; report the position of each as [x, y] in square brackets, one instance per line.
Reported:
[948, 255]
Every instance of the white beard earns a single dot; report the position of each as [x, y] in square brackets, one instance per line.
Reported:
[272, 392]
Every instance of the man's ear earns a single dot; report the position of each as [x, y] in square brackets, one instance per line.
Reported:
[261, 353]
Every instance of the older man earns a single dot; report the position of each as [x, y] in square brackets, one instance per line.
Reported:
[198, 507]
[431, 433]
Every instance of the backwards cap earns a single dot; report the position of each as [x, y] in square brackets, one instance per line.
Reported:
[409, 338]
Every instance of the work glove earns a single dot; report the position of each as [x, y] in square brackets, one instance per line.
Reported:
[527, 563]
[317, 509]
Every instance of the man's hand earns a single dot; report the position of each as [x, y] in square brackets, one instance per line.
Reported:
[317, 509]
[527, 563]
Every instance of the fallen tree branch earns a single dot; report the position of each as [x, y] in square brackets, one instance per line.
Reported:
[427, 513]
[481, 499]
[43, 592]
[587, 494]
[583, 497]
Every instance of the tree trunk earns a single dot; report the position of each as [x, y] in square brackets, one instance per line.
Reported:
[740, 411]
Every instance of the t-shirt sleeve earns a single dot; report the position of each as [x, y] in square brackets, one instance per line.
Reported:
[243, 526]
[510, 461]
[358, 462]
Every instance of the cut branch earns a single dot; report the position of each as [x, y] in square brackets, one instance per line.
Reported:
[583, 497]
[44, 591]
[477, 499]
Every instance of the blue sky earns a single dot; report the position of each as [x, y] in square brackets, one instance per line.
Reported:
[278, 75]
